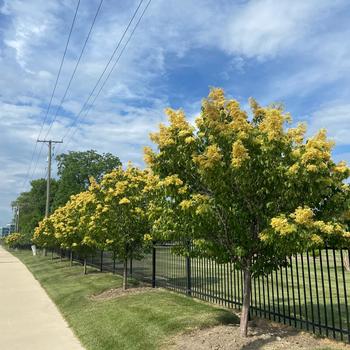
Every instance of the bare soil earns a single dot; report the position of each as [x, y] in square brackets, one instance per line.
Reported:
[119, 292]
[263, 335]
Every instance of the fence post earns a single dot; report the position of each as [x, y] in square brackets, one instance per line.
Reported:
[101, 261]
[188, 275]
[153, 266]
[188, 271]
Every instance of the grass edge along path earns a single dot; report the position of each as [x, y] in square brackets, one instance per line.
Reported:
[140, 321]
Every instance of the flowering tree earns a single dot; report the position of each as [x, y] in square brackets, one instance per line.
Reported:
[246, 190]
[44, 234]
[120, 222]
[79, 212]
[68, 225]
[14, 240]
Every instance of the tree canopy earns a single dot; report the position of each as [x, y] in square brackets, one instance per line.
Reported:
[32, 205]
[75, 169]
[247, 189]
[120, 221]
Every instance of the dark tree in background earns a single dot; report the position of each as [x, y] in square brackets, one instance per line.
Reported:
[75, 168]
[32, 205]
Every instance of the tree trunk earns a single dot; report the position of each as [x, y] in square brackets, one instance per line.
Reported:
[125, 274]
[247, 289]
[61, 254]
[71, 258]
[51, 254]
[85, 267]
[114, 258]
[44, 252]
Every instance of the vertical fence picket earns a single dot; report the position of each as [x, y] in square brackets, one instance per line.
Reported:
[345, 292]
[330, 292]
[293, 292]
[317, 294]
[310, 291]
[337, 290]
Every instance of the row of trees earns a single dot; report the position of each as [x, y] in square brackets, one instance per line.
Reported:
[110, 215]
[242, 188]
[74, 170]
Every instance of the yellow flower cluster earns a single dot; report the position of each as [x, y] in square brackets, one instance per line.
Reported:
[217, 97]
[272, 124]
[297, 134]
[239, 154]
[342, 168]
[293, 170]
[317, 150]
[210, 158]
[303, 216]
[124, 200]
[197, 202]
[149, 156]
[239, 124]
[283, 226]
[171, 180]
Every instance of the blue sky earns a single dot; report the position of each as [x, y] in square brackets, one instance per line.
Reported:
[293, 51]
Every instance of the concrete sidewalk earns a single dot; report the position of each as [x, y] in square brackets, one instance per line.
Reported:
[28, 317]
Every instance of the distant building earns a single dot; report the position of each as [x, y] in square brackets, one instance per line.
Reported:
[4, 231]
[11, 227]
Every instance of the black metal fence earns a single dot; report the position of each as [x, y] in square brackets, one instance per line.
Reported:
[312, 293]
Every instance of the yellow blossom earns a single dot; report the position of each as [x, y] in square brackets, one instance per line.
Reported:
[272, 124]
[282, 225]
[189, 139]
[341, 168]
[317, 148]
[316, 239]
[171, 180]
[239, 154]
[186, 204]
[210, 158]
[149, 156]
[297, 134]
[124, 200]
[294, 169]
[303, 216]
[311, 167]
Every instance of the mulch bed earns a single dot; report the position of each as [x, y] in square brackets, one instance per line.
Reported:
[119, 292]
[263, 335]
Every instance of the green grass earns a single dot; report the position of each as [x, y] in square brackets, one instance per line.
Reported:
[281, 292]
[140, 321]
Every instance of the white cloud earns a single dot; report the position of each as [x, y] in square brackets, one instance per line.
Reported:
[265, 28]
[336, 119]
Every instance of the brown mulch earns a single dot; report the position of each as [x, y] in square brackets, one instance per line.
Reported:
[119, 292]
[263, 335]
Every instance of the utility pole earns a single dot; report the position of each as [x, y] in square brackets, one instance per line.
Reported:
[49, 142]
[15, 210]
[17, 218]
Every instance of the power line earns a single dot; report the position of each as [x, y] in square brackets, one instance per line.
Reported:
[52, 95]
[72, 75]
[108, 64]
[75, 68]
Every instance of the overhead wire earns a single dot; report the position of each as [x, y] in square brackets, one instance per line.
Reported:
[115, 64]
[107, 65]
[72, 76]
[75, 68]
[27, 177]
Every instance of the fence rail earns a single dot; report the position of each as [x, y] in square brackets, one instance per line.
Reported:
[311, 293]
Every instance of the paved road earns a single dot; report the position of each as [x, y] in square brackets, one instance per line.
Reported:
[28, 318]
